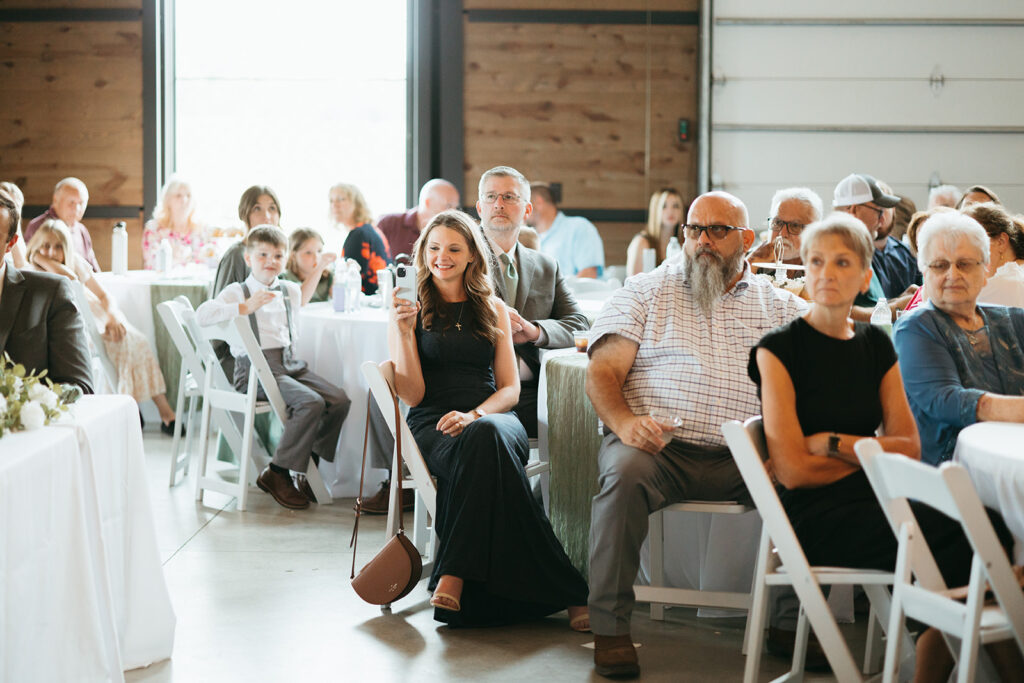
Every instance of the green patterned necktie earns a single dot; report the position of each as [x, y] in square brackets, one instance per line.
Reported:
[511, 279]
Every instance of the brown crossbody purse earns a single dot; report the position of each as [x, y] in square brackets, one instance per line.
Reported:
[395, 570]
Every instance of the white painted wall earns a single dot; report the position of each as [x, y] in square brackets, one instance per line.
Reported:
[804, 93]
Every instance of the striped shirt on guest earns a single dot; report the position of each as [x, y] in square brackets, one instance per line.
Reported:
[687, 365]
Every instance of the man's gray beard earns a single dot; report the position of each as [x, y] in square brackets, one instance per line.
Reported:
[709, 278]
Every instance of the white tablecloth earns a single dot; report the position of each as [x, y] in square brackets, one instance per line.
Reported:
[82, 592]
[993, 454]
[335, 345]
[131, 292]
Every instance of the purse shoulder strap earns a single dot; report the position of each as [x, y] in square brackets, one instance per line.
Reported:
[362, 473]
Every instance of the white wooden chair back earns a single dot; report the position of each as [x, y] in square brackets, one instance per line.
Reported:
[190, 378]
[95, 337]
[381, 379]
[749, 450]
[947, 488]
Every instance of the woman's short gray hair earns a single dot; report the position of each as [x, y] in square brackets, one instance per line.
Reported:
[948, 228]
[846, 227]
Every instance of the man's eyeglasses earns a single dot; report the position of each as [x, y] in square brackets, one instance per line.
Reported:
[792, 227]
[965, 266]
[878, 212]
[506, 197]
[715, 232]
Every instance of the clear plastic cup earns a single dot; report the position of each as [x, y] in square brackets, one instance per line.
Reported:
[666, 420]
[581, 338]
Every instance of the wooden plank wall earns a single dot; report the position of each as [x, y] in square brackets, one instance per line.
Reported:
[567, 103]
[72, 106]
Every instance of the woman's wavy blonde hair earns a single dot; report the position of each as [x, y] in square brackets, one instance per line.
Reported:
[654, 227]
[360, 209]
[476, 279]
[162, 213]
[56, 227]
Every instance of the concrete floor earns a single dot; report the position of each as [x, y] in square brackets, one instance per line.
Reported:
[264, 595]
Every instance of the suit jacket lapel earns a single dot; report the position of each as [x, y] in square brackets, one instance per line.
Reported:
[10, 301]
[526, 266]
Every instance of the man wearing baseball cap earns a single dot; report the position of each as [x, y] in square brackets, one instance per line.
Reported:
[862, 196]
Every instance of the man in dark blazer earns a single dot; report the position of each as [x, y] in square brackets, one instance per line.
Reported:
[543, 311]
[40, 326]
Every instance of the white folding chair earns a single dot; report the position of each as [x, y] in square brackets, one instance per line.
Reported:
[381, 380]
[190, 380]
[99, 351]
[949, 490]
[220, 395]
[787, 566]
[660, 595]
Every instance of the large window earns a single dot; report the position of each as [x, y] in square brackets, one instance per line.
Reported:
[296, 95]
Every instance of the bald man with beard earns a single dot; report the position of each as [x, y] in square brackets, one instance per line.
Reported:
[674, 343]
[403, 229]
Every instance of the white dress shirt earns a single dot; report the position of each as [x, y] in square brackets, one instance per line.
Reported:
[271, 318]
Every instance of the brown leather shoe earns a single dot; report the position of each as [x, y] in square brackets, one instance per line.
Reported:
[378, 503]
[615, 657]
[280, 487]
[303, 487]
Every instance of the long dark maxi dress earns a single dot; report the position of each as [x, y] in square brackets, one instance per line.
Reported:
[491, 530]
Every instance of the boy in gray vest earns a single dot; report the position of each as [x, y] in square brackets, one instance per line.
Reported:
[316, 408]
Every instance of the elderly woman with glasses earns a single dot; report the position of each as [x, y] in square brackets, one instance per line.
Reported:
[961, 362]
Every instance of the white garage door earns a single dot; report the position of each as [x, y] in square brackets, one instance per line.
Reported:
[912, 92]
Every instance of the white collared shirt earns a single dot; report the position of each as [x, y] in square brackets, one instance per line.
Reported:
[271, 318]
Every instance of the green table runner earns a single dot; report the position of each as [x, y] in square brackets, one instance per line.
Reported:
[166, 354]
[573, 442]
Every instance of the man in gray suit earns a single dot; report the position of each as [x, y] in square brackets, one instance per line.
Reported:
[40, 327]
[544, 312]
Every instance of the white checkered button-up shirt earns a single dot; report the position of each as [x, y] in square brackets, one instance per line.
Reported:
[687, 365]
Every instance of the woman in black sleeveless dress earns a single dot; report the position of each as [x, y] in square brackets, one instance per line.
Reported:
[498, 560]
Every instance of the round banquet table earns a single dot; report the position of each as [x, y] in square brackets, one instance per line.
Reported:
[335, 345]
[992, 454]
[137, 294]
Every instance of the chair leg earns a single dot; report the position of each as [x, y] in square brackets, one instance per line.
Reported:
[800, 646]
[190, 423]
[316, 483]
[420, 532]
[656, 540]
[176, 444]
[204, 446]
[753, 634]
[245, 463]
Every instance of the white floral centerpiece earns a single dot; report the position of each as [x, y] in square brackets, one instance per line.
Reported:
[29, 401]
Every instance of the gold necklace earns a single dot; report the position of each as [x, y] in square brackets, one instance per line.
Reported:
[462, 308]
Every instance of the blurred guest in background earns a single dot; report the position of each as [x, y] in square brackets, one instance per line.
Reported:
[308, 265]
[362, 242]
[573, 241]
[70, 197]
[961, 363]
[258, 206]
[138, 372]
[792, 209]
[1005, 285]
[944, 195]
[174, 219]
[977, 194]
[401, 229]
[663, 218]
